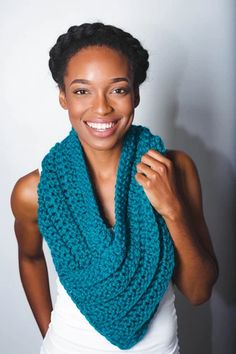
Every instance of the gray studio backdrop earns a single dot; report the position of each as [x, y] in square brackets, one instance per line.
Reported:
[188, 99]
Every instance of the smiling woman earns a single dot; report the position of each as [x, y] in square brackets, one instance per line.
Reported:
[99, 94]
[122, 216]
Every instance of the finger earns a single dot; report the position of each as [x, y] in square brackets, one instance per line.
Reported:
[146, 170]
[141, 179]
[154, 164]
[158, 156]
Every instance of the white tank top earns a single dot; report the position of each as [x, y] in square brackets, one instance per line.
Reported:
[70, 332]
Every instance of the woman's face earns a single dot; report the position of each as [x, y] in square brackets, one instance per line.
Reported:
[99, 96]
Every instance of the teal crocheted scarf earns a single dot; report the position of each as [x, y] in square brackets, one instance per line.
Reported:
[116, 278]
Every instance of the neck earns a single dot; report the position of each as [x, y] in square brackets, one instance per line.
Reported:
[103, 164]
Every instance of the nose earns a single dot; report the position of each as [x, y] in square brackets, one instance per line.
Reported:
[101, 105]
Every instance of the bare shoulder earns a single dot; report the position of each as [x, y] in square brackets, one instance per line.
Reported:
[181, 160]
[187, 178]
[184, 165]
[24, 198]
[189, 184]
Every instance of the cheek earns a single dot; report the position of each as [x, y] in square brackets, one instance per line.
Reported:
[126, 106]
[76, 109]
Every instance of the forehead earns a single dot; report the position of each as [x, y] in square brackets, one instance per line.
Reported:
[98, 63]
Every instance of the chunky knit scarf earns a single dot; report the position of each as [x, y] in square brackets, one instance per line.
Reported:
[116, 278]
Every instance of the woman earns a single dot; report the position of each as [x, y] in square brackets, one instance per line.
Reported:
[122, 216]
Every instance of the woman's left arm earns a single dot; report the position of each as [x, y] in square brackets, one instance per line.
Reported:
[172, 186]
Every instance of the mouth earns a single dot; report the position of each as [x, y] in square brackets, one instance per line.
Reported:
[101, 127]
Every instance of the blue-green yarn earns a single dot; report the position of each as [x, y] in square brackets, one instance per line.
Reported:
[117, 279]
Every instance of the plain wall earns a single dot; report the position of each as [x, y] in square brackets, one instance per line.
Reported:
[188, 99]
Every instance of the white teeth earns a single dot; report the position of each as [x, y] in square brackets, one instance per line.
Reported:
[100, 126]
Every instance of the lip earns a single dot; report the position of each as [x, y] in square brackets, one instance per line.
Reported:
[101, 121]
[102, 134]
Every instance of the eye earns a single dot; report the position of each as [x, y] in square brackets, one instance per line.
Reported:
[81, 92]
[121, 91]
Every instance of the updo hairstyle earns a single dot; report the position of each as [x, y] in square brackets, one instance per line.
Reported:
[97, 34]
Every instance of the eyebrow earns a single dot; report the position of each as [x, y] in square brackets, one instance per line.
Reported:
[88, 82]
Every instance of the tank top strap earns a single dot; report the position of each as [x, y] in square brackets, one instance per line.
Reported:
[40, 169]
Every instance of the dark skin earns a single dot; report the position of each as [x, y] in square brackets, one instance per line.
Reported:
[170, 182]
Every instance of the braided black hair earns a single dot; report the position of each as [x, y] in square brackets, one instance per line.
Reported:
[98, 34]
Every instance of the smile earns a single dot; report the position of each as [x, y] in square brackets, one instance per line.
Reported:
[101, 126]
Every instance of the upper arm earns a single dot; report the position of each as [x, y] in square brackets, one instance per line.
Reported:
[188, 182]
[24, 204]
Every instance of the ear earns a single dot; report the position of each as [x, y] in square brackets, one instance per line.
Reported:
[136, 97]
[62, 99]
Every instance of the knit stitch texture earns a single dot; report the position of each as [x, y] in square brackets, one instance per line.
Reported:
[116, 279]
